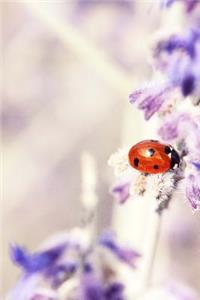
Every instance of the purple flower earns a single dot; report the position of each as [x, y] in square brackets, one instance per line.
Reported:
[183, 126]
[37, 262]
[121, 191]
[151, 104]
[53, 267]
[193, 190]
[178, 57]
[176, 43]
[125, 254]
[150, 99]
[172, 127]
[168, 131]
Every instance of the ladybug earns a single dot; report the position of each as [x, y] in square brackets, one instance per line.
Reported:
[153, 157]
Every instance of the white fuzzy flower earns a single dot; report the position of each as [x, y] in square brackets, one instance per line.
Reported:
[119, 161]
[162, 186]
[138, 186]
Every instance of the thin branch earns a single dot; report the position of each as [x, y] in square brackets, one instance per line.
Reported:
[82, 47]
[152, 251]
[89, 197]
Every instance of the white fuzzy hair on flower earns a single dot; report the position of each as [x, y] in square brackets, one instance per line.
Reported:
[138, 186]
[119, 161]
[161, 187]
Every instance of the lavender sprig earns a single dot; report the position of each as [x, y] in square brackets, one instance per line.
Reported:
[45, 272]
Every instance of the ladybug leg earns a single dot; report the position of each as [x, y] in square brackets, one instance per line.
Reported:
[175, 159]
[145, 174]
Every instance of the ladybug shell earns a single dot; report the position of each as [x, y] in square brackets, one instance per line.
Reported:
[153, 157]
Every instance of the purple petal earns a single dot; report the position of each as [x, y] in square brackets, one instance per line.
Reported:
[150, 99]
[151, 105]
[183, 127]
[36, 262]
[125, 254]
[168, 131]
[19, 255]
[185, 42]
[171, 129]
[121, 192]
[174, 43]
[135, 95]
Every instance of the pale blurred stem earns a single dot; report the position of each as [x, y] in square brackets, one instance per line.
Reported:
[82, 47]
[88, 195]
[152, 251]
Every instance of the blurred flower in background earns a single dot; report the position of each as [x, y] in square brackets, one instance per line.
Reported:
[92, 266]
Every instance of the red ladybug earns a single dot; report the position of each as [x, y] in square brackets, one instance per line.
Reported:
[153, 157]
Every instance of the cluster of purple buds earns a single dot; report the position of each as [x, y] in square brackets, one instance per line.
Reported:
[176, 100]
[76, 263]
[178, 59]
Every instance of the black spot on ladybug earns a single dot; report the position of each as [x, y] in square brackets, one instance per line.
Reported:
[154, 141]
[156, 167]
[167, 150]
[136, 162]
[175, 159]
[151, 152]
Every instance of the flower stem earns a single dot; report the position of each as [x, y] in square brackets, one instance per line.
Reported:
[89, 198]
[150, 255]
